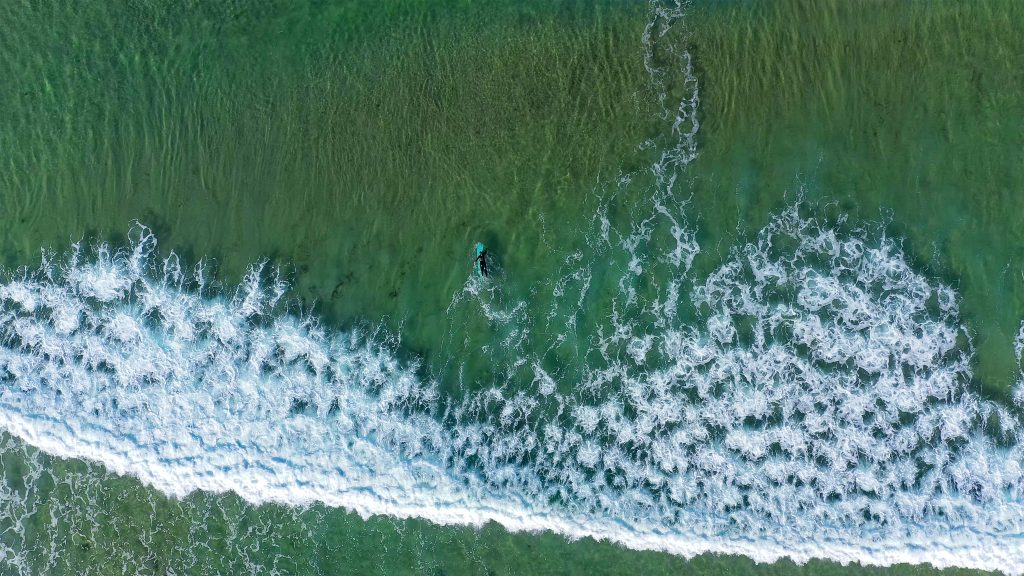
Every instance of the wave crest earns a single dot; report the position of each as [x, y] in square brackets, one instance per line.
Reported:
[817, 404]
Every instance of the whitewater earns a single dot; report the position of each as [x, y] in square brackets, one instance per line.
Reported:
[808, 398]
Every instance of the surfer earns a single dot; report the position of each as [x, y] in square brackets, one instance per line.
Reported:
[481, 260]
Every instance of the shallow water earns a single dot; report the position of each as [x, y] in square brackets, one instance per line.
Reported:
[755, 287]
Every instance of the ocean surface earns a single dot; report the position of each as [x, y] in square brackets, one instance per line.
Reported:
[756, 302]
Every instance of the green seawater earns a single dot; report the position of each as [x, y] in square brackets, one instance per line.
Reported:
[363, 147]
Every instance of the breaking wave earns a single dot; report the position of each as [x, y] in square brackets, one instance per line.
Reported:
[816, 406]
[808, 398]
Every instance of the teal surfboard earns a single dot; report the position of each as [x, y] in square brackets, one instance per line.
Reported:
[480, 262]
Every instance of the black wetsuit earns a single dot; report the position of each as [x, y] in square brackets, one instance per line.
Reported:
[482, 258]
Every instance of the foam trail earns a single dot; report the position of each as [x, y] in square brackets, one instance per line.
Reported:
[1018, 347]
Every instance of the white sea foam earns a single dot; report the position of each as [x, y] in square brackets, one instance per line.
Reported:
[818, 408]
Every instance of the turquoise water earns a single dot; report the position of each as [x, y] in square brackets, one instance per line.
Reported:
[743, 308]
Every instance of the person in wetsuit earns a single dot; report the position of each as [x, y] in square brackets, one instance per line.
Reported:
[481, 259]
